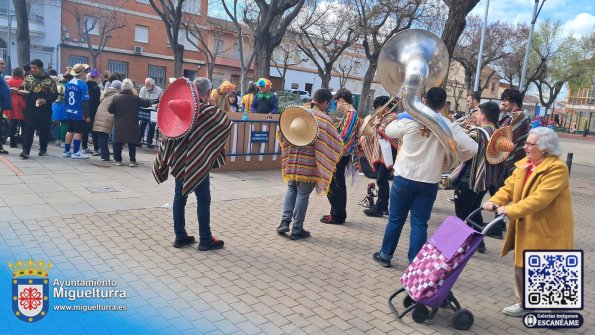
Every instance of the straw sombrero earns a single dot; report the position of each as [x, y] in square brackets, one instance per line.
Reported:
[298, 126]
[178, 108]
[366, 128]
[500, 145]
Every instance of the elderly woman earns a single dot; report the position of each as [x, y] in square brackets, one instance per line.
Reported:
[536, 199]
[124, 106]
[104, 121]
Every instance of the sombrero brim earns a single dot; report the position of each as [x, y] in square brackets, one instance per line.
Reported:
[493, 155]
[176, 124]
[366, 128]
[288, 115]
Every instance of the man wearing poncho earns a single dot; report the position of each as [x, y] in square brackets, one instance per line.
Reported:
[190, 154]
[307, 167]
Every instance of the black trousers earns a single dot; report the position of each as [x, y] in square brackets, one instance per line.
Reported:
[14, 130]
[118, 152]
[103, 140]
[466, 201]
[38, 119]
[382, 174]
[89, 129]
[337, 195]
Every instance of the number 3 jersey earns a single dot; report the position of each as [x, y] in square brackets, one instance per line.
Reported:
[76, 91]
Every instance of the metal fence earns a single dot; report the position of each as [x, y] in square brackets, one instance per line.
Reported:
[253, 138]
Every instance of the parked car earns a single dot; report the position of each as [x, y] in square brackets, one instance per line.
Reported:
[304, 95]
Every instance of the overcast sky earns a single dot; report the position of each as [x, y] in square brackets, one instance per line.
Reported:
[577, 16]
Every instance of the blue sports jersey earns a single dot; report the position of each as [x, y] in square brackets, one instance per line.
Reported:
[76, 91]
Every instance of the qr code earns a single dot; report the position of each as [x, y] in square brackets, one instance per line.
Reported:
[553, 279]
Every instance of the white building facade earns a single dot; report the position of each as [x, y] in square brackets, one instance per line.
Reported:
[44, 31]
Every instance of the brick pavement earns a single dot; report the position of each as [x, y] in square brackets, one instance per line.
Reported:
[265, 283]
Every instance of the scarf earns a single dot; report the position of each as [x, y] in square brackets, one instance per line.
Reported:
[265, 95]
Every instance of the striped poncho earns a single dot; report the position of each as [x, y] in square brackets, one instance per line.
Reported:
[190, 158]
[483, 175]
[348, 129]
[521, 124]
[371, 145]
[316, 162]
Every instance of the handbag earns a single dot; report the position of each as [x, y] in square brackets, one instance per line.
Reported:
[59, 111]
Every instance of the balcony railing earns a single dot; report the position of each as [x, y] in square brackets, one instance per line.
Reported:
[33, 18]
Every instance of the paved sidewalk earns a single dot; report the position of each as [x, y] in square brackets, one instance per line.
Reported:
[260, 282]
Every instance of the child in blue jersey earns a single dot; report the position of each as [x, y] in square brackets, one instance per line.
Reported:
[76, 99]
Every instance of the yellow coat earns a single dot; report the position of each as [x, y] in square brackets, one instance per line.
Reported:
[541, 212]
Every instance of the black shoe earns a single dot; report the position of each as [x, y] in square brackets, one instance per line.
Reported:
[385, 213]
[283, 227]
[42, 153]
[301, 235]
[373, 212]
[13, 145]
[482, 248]
[214, 244]
[184, 242]
[381, 260]
[24, 154]
[329, 219]
[495, 234]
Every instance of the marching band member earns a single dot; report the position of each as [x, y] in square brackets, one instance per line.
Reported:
[310, 150]
[379, 149]
[348, 128]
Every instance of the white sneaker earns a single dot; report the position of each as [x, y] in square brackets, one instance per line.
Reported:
[58, 143]
[67, 154]
[515, 310]
[79, 155]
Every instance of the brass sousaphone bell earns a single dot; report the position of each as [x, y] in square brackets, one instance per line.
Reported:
[410, 61]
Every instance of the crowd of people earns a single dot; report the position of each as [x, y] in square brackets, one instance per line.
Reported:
[499, 153]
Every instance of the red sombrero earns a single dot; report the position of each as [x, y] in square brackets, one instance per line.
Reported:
[178, 108]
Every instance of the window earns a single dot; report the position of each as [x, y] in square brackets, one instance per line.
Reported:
[91, 24]
[191, 7]
[493, 87]
[141, 34]
[158, 74]
[218, 45]
[295, 86]
[356, 66]
[77, 60]
[116, 66]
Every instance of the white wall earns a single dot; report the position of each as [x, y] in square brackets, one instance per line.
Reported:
[42, 35]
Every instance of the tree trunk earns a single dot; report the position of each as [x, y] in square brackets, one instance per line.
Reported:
[178, 60]
[368, 79]
[263, 47]
[210, 69]
[326, 76]
[455, 23]
[94, 59]
[23, 38]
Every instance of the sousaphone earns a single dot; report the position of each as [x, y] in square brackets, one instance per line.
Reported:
[409, 62]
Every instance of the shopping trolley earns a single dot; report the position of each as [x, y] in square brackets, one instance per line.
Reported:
[429, 278]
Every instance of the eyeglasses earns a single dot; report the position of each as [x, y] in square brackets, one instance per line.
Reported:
[528, 144]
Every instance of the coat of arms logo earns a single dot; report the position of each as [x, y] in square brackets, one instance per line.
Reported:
[30, 289]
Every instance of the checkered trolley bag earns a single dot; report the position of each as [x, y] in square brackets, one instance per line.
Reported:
[429, 278]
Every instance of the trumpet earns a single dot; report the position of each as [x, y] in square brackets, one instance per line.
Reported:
[366, 128]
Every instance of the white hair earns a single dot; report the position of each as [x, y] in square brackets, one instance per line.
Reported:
[203, 86]
[547, 141]
[127, 84]
[151, 80]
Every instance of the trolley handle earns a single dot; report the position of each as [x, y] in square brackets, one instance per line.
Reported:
[485, 229]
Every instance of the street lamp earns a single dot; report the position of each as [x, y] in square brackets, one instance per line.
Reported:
[480, 55]
[526, 60]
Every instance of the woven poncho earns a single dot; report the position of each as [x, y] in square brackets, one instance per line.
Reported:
[190, 158]
[314, 163]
